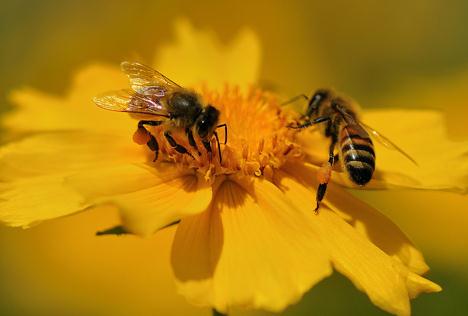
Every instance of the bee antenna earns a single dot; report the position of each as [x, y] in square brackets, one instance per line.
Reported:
[294, 99]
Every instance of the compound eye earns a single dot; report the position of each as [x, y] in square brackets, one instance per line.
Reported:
[318, 97]
[203, 128]
[207, 121]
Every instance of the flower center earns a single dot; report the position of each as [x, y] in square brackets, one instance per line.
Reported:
[258, 139]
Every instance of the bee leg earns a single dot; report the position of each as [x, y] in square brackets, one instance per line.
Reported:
[324, 174]
[154, 146]
[179, 148]
[191, 140]
[225, 132]
[142, 135]
[309, 122]
[219, 147]
[207, 145]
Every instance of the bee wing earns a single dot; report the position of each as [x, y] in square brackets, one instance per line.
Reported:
[142, 76]
[387, 142]
[359, 127]
[128, 101]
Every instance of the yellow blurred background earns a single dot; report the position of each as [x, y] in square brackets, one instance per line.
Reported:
[384, 54]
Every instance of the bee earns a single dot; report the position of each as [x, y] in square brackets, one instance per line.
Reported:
[345, 131]
[154, 94]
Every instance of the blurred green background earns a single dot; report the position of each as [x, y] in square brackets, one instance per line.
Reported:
[384, 54]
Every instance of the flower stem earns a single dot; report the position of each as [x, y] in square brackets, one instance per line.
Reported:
[216, 313]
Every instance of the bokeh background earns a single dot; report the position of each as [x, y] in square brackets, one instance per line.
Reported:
[410, 54]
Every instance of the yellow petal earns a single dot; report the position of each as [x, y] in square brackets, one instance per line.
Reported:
[383, 278]
[24, 202]
[35, 173]
[98, 184]
[388, 283]
[251, 249]
[380, 230]
[199, 56]
[442, 163]
[437, 221]
[416, 285]
[169, 199]
[37, 111]
[64, 152]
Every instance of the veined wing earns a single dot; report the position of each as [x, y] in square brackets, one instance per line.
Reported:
[367, 130]
[126, 100]
[142, 76]
[350, 120]
[387, 142]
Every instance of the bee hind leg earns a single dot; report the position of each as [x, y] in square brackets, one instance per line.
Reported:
[179, 148]
[324, 175]
[154, 146]
[142, 136]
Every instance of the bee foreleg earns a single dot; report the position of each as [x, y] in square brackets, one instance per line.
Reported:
[310, 122]
[207, 145]
[225, 132]
[219, 147]
[179, 148]
[324, 174]
[191, 140]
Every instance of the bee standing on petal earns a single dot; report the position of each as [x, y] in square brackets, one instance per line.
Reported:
[156, 95]
[343, 128]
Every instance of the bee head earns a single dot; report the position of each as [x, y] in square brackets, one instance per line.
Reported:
[207, 121]
[318, 98]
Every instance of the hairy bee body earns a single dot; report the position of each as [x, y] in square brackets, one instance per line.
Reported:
[356, 150]
[171, 105]
[356, 154]
[342, 126]
[339, 118]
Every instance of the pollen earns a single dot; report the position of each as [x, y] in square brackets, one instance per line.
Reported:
[258, 138]
[141, 136]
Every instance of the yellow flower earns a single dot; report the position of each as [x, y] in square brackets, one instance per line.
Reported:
[247, 236]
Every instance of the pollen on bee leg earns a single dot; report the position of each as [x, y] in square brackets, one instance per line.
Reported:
[324, 173]
[141, 136]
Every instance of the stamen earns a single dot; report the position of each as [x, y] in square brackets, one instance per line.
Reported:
[259, 138]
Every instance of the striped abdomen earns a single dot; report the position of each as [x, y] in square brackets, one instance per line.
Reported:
[357, 153]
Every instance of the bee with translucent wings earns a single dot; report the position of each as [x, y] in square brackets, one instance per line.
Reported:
[154, 94]
[343, 128]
